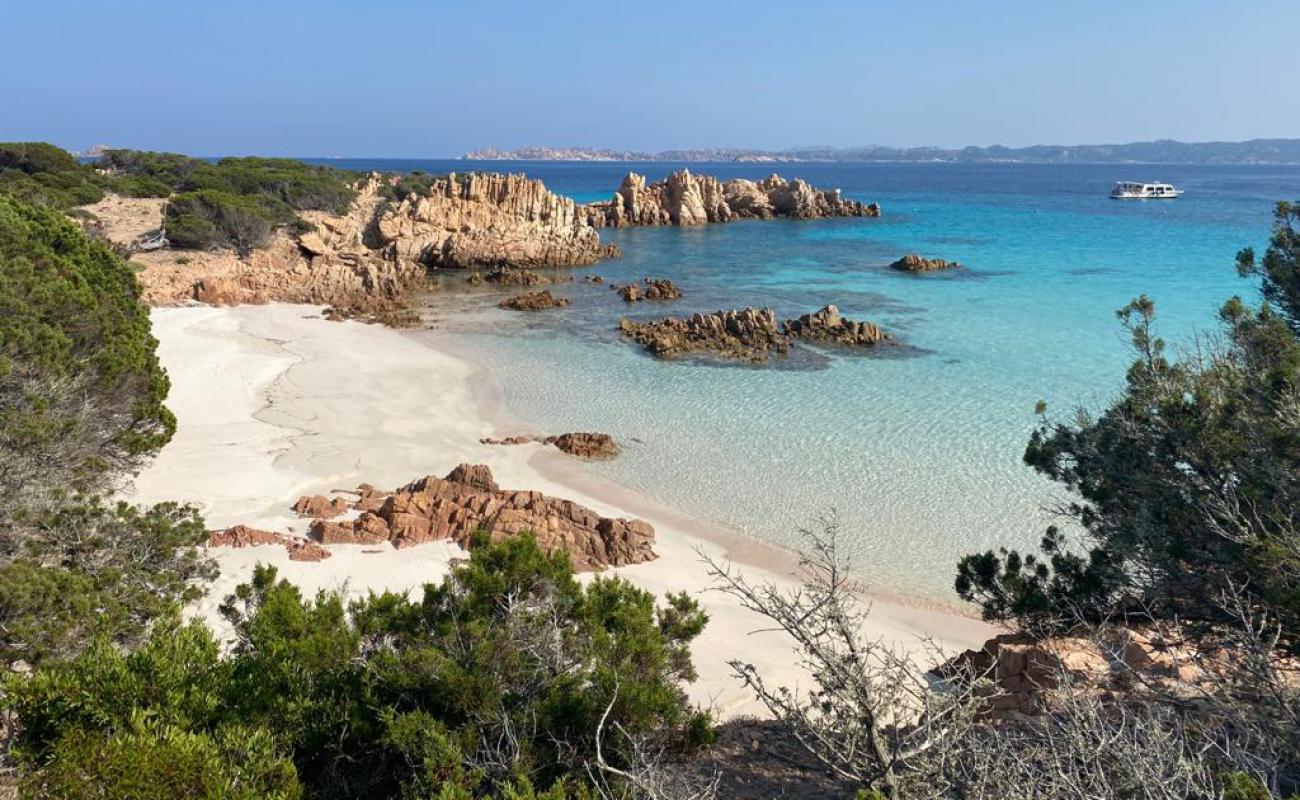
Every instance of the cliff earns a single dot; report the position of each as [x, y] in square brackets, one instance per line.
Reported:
[686, 199]
[488, 219]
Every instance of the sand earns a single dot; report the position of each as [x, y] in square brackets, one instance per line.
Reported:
[274, 402]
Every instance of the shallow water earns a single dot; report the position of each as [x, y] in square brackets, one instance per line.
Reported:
[917, 451]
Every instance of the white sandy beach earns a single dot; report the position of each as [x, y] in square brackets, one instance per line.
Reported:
[274, 403]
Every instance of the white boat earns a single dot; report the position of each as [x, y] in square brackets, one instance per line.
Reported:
[1131, 190]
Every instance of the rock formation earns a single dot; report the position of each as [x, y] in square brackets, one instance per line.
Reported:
[365, 262]
[318, 506]
[914, 263]
[468, 500]
[534, 301]
[585, 445]
[828, 326]
[244, 536]
[686, 199]
[654, 289]
[746, 334]
[488, 219]
[581, 445]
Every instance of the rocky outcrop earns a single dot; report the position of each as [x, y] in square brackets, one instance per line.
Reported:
[318, 506]
[830, 327]
[914, 263]
[650, 289]
[488, 219]
[746, 334]
[244, 536]
[1027, 674]
[534, 301]
[468, 500]
[364, 263]
[585, 445]
[686, 199]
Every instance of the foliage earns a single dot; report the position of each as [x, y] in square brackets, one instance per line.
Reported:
[84, 570]
[495, 682]
[1188, 486]
[298, 186]
[42, 174]
[69, 308]
[209, 219]
[81, 404]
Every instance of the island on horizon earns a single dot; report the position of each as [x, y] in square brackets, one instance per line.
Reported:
[1160, 151]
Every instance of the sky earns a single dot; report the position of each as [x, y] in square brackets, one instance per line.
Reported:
[435, 79]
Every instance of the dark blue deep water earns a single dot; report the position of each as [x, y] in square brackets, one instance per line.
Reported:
[918, 451]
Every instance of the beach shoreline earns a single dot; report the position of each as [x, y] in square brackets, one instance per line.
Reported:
[274, 403]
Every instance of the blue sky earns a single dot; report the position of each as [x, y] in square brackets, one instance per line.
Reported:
[438, 78]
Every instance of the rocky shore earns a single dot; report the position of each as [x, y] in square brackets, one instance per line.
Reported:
[748, 334]
[686, 199]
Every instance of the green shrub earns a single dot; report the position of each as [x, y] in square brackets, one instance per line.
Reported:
[492, 684]
[208, 219]
[42, 174]
[69, 308]
[298, 186]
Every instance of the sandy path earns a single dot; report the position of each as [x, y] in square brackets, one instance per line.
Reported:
[274, 403]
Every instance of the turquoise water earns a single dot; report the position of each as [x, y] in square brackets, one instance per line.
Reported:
[918, 450]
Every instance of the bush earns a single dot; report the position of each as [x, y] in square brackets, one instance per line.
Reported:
[69, 309]
[42, 174]
[208, 219]
[298, 186]
[492, 684]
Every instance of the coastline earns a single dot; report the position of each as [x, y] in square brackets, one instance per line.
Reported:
[274, 403]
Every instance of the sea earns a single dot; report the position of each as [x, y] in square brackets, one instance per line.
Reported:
[915, 450]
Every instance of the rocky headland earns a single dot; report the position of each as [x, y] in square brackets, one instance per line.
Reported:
[914, 263]
[456, 507]
[366, 261]
[687, 199]
[747, 334]
[534, 301]
[649, 289]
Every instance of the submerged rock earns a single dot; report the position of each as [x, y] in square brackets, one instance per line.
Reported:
[534, 301]
[915, 263]
[686, 199]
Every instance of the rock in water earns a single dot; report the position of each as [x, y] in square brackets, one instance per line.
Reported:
[828, 326]
[914, 263]
[686, 199]
[746, 334]
[654, 289]
[534, 301]
[585, 445]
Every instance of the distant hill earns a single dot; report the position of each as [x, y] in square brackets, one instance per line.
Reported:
[1163, 151]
